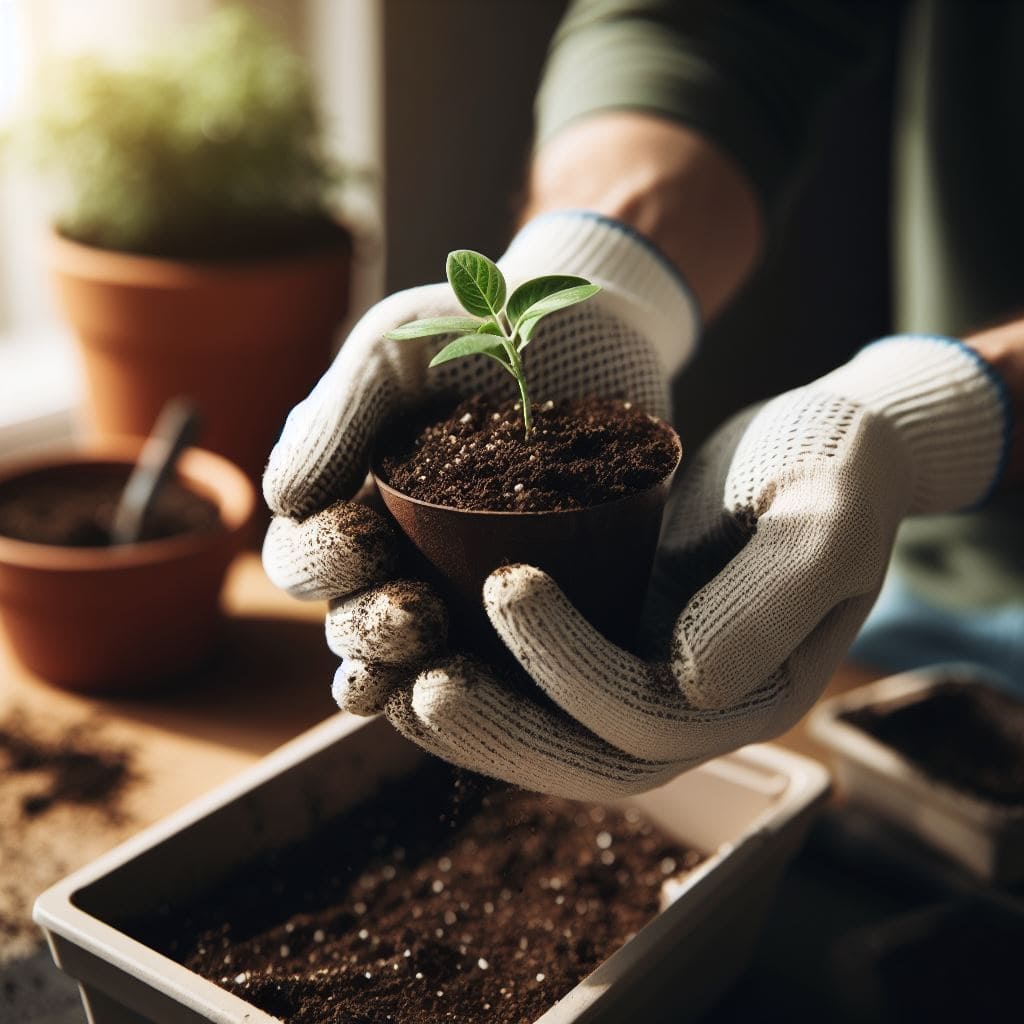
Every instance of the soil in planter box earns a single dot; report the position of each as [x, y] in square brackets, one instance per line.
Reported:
[581, 453]
[967, 736]
[74, 506]
[445, 898]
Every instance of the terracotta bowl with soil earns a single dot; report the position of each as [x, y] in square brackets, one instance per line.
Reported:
[91, 616]
[582, 500]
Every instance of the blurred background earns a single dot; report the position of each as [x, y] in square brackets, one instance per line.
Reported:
[389, 81]
[426, 106]
[409, 89]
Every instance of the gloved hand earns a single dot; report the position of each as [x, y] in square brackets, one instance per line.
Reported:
[628, 341]
[776, 544]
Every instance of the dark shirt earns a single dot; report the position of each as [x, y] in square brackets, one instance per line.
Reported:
[760, 77]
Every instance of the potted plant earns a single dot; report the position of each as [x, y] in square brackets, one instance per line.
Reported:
[89, 616]
[575, 487]
[194, 252]
[298, 867]
[939, 752]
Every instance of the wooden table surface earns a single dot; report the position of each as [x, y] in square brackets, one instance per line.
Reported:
[269, 680]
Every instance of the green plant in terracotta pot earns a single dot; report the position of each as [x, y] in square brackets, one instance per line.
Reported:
[576, 487]
[194, 250]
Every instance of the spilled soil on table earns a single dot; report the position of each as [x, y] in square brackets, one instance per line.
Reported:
[62, 803]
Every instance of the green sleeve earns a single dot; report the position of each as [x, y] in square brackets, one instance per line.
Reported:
[753, 75]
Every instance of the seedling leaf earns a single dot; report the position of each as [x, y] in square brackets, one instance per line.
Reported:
[531, 292]
[473, 344]
[477, 282]
[527, 325]
[560, 300]
[526, 329]
[502, 330]
[434, 325]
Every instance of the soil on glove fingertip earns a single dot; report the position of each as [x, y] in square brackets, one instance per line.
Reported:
[581, 453]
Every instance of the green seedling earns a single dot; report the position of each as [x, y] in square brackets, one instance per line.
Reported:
[501, 325]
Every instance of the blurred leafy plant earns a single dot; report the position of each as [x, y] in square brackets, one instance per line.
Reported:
[210, 146]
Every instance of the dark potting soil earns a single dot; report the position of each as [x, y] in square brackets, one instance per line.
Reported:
[581, 453]
[73, 768]
[66, 792]
[228, 235]
[444, 898]
[967, 736]
[74, 506]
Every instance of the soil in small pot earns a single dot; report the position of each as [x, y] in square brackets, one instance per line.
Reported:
[968, 736]
[233, 240]
[444, 898]
[581, 453]
[74, 505]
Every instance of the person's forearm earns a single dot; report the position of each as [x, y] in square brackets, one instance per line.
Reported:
[1003, 349]
[664, 180]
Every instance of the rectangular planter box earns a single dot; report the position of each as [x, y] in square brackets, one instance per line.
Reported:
[986, 838]
[748, 812]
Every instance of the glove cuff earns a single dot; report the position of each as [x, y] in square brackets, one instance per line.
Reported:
[634, 275]
[947, 404]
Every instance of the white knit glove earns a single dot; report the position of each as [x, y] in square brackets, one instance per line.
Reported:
[776, 544]
[627, 341]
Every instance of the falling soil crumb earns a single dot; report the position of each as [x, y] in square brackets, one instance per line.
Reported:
[581, 453]
[445, 898]
[965, 735]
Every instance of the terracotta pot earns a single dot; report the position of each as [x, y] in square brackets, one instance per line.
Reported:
[601, 556]
[122, 618]
[246, 341]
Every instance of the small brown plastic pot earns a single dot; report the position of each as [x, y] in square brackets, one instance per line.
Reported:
[122, 618]
[601, 556]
